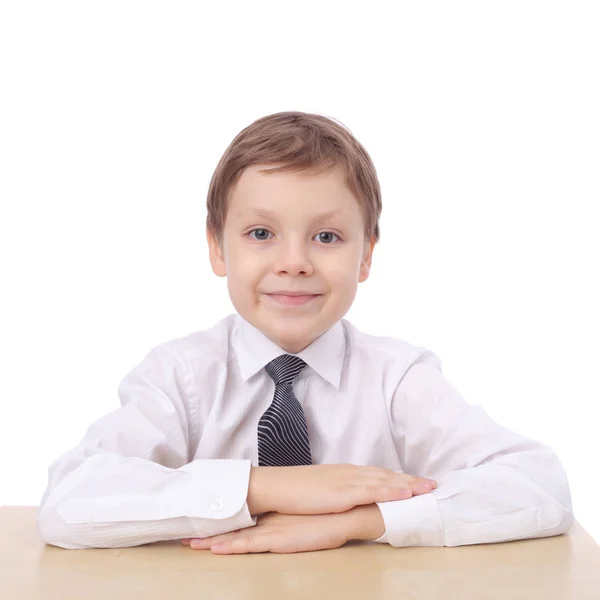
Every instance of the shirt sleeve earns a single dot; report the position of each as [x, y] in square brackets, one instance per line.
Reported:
[130, 481]
[494, 485]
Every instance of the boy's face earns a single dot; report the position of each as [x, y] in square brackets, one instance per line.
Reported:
[292, 232]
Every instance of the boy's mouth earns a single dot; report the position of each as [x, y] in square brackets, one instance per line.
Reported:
[292, 298]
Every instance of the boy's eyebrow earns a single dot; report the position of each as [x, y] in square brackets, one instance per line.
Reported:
[266, 213]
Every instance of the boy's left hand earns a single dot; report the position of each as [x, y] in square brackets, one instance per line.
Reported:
[281, 533]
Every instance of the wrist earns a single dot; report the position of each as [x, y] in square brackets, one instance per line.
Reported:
[365, 523]
[257, 499]
[264, 489]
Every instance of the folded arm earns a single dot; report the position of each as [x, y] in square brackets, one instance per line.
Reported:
[129, 481]
[494, 485]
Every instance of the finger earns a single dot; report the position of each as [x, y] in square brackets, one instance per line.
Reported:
[423, 487]
[372, 494]
[377, 474]
[186, 541]
[206, 543]
[391, 478]
[404, 476]
[250, 544]
[416, 484]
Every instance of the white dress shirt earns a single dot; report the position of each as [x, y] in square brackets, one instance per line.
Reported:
[174, 460]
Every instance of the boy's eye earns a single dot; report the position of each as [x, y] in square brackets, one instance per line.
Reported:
[261, 234]
[326, 236]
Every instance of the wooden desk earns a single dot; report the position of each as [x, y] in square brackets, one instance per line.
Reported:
[560, 568]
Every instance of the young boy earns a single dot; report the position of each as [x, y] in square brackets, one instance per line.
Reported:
[284, 428]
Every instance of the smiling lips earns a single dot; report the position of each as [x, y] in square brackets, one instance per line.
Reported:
[292, 298]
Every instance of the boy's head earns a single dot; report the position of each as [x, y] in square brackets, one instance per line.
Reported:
[293, 206]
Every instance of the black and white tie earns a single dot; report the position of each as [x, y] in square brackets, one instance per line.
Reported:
[282, 431]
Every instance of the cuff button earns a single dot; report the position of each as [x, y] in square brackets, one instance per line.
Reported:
[217, 505]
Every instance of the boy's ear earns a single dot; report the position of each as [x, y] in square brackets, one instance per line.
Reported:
[365, 265]
[216, 256]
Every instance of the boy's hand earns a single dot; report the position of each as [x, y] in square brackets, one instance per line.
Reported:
[295, 533]
[322, 489]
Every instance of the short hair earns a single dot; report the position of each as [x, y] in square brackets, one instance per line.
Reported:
[295, 141]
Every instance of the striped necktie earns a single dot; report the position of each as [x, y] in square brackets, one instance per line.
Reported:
[282, 431]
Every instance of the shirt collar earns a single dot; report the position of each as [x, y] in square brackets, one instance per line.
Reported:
[254, 350]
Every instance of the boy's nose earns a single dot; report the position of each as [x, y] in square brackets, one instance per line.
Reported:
[293, 259]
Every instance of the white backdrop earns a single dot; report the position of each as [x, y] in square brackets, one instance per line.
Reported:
[482, 120]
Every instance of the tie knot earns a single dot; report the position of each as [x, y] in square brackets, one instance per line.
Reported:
[285, 368]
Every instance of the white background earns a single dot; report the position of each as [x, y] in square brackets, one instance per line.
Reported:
[481, 117]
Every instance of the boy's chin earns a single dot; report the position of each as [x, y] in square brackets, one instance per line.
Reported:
[290, 333]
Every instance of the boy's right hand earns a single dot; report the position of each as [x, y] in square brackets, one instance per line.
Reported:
[321, 489]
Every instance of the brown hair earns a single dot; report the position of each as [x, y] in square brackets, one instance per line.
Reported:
[296, 141]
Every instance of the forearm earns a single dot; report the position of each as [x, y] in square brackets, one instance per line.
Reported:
[494, 484]
[481, 505]
[502, 502]
[110, 501]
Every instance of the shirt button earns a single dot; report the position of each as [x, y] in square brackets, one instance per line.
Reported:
[217, 505]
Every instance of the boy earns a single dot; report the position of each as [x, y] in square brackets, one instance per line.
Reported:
[284, 428]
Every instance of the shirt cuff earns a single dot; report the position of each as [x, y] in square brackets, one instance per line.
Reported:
[203, 489]
[413, 522]
[222, 490]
